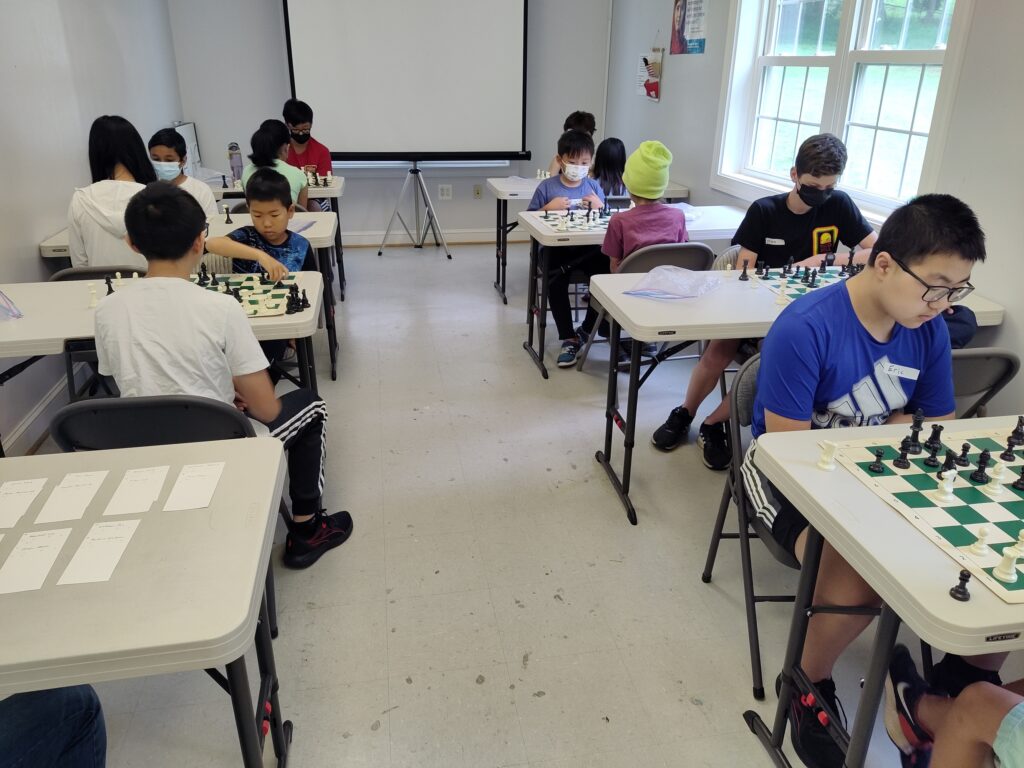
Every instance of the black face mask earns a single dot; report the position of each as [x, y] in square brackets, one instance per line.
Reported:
[814, 197]
[299, 138]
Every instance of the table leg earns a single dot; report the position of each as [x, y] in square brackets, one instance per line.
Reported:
[871, 695]
[612, 415]
[339, 248]
[270, 705]
[271, 596]
[245, 720]
[307, 364]
[323, 256]
[499, 227]
[537, 305]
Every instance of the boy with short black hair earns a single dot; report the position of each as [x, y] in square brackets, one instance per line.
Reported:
[168, 151]
[581, 121]
[870, 350]
[303, 149]
[811, 219]
[167, 336]
[571, 189]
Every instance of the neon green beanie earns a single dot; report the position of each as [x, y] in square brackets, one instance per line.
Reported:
[646, 173]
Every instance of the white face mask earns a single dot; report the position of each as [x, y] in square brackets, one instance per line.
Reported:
[576, 172]
[166, 171]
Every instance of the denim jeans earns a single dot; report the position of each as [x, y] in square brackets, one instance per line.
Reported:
[61, 727]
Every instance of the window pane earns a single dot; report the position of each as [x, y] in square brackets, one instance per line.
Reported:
[805, 131]
[887, 163]
[867, 94]
[910, 25]
[771, 89]
[900, 96]
[926, 99]
[806, 27]
[814, 94]
[912, 170]
[792, 92]
[784, 151]
[858, 147]
[764, 140]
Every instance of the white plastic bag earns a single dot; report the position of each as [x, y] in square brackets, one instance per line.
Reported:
[675, 283]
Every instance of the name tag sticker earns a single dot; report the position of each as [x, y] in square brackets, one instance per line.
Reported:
[901, 371]
[774, 241]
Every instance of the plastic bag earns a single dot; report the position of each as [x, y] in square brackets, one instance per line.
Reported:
[667, 282]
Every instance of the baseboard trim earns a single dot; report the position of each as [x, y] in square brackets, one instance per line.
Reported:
[26, 436]
[366, 238]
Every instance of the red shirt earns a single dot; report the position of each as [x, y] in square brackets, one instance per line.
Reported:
[316, 154]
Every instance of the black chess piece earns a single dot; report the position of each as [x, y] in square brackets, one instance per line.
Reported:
[949, 464]
[916, 425]
[980, 475]
[877, 467]
[265, 278]
[844, 271]
[743, 274]
[901, 461]
[572, 216]
[546, 216]
[814, 279]
[759, 268]
[1008, 455]
[935, 438]
[290, 308]
[305, 301]
[933, 457]
[962, 459]
[110, 285]
[204, 277]
[278, 286]
[213, 280]
[237, 294]
[1019, 482]
[959, 592]
[227, 215]
[223, 181]
[767, 274]
[806, 276]
[1018, 432]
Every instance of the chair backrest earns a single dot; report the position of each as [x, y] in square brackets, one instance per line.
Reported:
[744, 388]
[96, 273]
[695, 256]
[979, 374]
[727, 258]
[132, 422]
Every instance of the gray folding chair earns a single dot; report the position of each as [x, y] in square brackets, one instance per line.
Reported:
[749, 525]
[84, 350]
[978, 376]
[134, 422]
[695, 256]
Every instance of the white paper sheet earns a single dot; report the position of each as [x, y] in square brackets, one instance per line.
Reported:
[31, 559]
[70, 499]
[100, 552]
[194, 487]
[16, 496]
[138, 490]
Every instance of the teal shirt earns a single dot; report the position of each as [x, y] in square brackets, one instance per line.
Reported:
[296, 178]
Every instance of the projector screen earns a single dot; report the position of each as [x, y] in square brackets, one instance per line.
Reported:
[412, 79]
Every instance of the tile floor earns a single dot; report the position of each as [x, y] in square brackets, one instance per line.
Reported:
[494, 607]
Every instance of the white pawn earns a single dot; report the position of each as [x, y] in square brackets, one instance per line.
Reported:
[980, 548]
[135, 275]
[538, 173]
[117, 279]
[1006, 571]
[827, 461]
[92, 295]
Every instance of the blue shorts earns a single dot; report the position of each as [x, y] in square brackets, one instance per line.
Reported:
[1009, 743]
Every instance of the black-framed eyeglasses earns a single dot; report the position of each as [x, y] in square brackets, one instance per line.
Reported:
[207, 232]
[935, 293]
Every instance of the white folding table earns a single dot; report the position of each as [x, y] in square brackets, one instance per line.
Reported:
[187, 594]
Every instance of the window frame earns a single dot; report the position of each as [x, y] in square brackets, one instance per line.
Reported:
[750, 22]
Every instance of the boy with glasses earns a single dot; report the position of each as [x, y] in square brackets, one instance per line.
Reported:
[870, 350]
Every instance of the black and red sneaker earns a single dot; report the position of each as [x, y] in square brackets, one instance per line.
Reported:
[813, 743]
[904, 688]
[331, 531]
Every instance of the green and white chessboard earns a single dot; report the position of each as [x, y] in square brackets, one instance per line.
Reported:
[257, 300]
[953, 526]
[791, 287]
[578, 223]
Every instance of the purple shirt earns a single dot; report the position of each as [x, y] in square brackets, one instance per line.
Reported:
[650, 224]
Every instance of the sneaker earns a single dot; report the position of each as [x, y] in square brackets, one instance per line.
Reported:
[332, 531]
[904, 687]
[673, 431]
[811, 739]
[953, 674]
[582, 335]
[713, 440]
[570, 348]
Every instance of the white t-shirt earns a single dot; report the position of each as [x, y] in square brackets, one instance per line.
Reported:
[166, 336]
[201, 191]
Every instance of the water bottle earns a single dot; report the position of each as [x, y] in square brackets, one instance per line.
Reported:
[235, 160]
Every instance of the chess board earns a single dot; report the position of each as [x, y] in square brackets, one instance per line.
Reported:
[792, 287]
[953, 526]
[257, 300]
[578, 222]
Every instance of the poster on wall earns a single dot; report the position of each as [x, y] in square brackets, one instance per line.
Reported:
[648, 75]
[688, 26]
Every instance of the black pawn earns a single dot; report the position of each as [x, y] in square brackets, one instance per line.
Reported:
[743, 274]
[1018, 432]
[305, 301]
[935, 438]
[933, 457]
[1008, 454]
[980, 475]
[1019, 482]
[546, 215]
[962, 459]
[959, 592]
[110, 286]
[901, 462]
[877, 467]
[767, 274]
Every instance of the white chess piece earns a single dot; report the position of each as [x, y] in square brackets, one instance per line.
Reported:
[135, 275]
[330, 178]
[780, 299]
[117, 279]
[994, 487]
[92, 295]
[1006, 571]
[827, 461]
[980, 548]
[944, 493]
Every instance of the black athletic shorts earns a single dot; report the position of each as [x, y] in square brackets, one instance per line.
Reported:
[775, 510]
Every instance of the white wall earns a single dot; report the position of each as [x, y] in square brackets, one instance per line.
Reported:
[64, 62]
[983, 165]
[560, 79]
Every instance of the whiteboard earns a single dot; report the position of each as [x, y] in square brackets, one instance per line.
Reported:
[412, 79]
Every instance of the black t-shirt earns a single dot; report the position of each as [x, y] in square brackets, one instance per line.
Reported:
[775, 233]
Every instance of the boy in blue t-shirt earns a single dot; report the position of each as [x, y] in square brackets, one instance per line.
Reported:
[870, 350]
[571, 190]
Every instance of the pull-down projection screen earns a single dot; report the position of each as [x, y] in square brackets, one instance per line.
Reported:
[412, 79]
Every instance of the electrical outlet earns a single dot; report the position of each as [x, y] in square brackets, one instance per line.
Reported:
[444, 191]
[478, 192]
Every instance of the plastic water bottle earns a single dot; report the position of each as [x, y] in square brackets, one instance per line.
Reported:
[235, 160]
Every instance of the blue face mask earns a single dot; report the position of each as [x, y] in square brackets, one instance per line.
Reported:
[166, 171]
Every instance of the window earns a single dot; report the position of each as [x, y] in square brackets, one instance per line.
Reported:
[867, 71]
